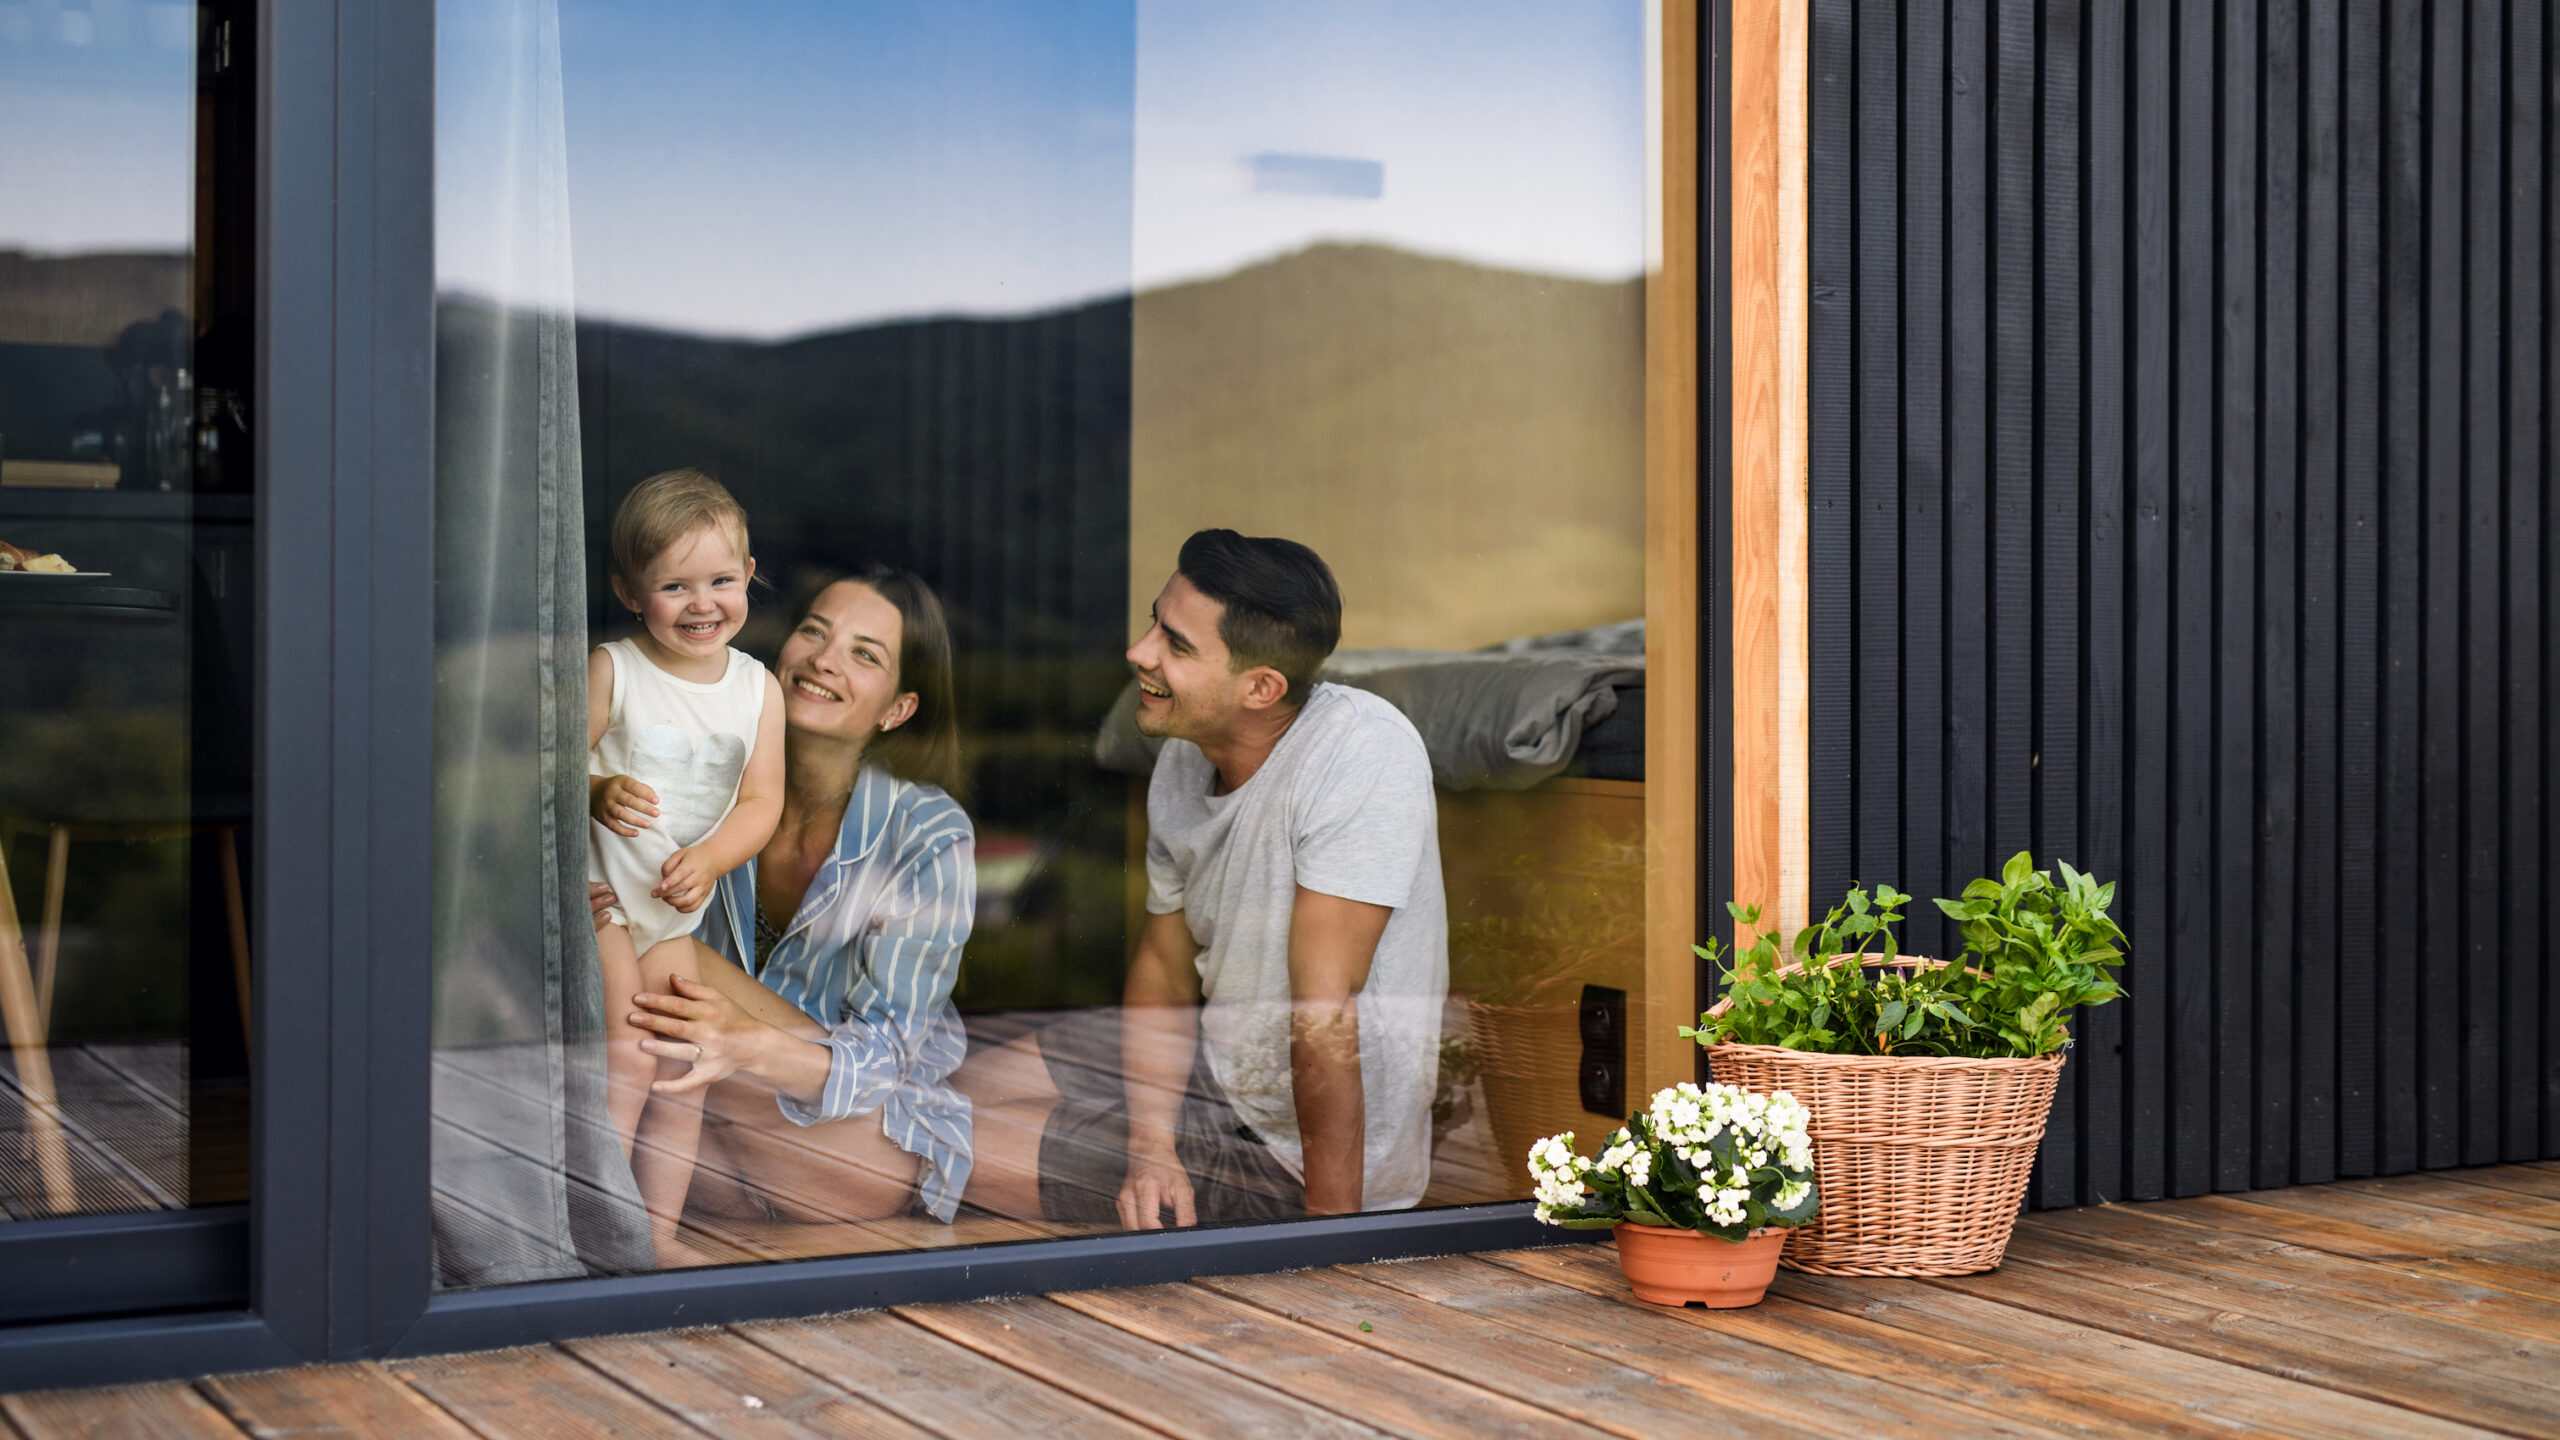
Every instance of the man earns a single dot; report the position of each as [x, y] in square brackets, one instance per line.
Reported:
[1278, 1047]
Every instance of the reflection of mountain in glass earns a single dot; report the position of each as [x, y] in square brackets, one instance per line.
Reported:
[1464, 444]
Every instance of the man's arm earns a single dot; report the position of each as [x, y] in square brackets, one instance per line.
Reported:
[1331, 942]
[1159, 1030]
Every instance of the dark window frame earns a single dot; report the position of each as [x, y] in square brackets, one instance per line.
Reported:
[336, 1233]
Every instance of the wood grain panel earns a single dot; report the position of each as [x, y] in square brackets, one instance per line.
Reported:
[1771, 737]
[1671, 558]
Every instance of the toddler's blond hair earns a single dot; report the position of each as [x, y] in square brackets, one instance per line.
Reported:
[664, 509]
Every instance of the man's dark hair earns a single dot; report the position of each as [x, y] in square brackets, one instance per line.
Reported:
[1282, 607]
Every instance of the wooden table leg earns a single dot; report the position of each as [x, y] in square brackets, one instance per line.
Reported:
[57, 874]
[35, 1061]
[236, 909]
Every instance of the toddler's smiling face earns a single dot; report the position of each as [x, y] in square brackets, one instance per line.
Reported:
[692, 596]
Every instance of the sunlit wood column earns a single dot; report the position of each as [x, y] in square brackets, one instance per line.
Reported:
[1769, 316]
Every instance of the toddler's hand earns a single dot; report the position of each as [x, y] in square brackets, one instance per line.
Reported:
[685, 880]
[621, 804]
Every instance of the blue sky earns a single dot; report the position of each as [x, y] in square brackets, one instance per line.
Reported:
[97, 126]
[776, 168]
[783, 166]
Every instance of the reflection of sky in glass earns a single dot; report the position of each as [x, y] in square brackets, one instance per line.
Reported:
[1508, 132]
[777, 168]
[97, 127]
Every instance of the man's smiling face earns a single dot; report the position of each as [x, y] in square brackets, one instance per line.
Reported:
[1186, 686]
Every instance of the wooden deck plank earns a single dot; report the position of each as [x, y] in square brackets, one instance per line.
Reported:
[2436, 1339]
[2403, 1287]
[1732, 1369]
[1149, 1383]
[2065, 1394]
[1317, 1366]
[921, 1377]
[722, 1383]
[2374, 1369]
[355, 1401]
[2526, 1179]
[536, 1391]
[2215, 1391]
[2403, 1248]
[2448, 1193]
[2460, 1234]
[169, 1411]
[1533, 1369]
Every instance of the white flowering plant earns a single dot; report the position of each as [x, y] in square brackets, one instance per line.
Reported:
[1716, 1159]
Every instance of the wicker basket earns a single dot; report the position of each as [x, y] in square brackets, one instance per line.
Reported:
[1528, 1057]
[1923, 1161]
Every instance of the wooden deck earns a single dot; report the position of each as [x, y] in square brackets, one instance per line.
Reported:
[2424, 1305]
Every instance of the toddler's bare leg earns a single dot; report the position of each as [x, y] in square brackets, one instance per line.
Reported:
[628, 1069]
[671, 1125]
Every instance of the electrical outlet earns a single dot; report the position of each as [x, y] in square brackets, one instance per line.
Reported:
[1603, 1071]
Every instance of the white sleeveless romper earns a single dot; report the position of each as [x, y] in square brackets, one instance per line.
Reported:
[689, 743]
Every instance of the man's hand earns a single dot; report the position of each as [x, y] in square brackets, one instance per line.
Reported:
[621, 804]
[685, 880]
[1156, 1183]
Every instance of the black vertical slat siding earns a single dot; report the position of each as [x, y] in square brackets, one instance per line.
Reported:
[2182, 401]
[2235, 786]
[1924, 478]
[1876, 714]
[2396, 932]
[2482, 597]
[2523, 1045]
[1831, 513]
[1964, 675]
[2315, 982]
[2190, 485]
[2146, 866]
[2440, 898]
[2360, 644]
[2057, 642]
[2275, 863]
[2102, 784]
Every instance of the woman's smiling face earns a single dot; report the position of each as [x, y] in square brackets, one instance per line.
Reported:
[839, 668]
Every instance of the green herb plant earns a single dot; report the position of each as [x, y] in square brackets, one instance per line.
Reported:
[2035, 951]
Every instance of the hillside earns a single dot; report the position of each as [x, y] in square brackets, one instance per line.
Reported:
[1464, 445]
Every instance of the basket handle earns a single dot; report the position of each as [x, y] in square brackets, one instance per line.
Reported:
[1871, 962]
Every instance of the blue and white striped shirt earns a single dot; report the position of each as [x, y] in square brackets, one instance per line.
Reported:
[872, 955]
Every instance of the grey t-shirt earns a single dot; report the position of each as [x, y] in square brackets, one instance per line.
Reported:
[1343, 807]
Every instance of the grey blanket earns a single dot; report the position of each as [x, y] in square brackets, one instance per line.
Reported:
[1503, 718]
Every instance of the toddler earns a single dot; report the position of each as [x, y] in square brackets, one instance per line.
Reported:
[684, 784]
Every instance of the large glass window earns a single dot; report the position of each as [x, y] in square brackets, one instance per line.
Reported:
[125, 605]
[1104, 542]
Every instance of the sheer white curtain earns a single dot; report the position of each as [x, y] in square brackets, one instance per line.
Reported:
[530, 1182]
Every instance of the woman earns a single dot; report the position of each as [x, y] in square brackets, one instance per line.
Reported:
[823, 1028]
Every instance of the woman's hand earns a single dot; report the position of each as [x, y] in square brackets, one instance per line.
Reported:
[700, 1026]
[685, 880]
[600, 899]
[621, 804]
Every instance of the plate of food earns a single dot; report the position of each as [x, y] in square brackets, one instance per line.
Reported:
[19, 562]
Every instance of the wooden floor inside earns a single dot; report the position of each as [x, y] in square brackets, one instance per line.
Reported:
[2422, 1305]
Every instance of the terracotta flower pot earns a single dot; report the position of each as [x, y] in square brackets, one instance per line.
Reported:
[1676, 1267]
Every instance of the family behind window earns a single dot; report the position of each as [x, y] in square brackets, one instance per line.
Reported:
[783, 888]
